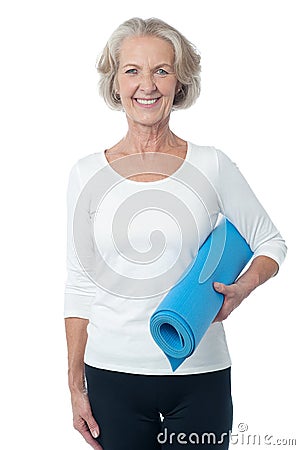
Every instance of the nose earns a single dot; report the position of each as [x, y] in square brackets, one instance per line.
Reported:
[147, 84]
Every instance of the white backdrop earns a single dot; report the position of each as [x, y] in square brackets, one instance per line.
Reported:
[51, 115]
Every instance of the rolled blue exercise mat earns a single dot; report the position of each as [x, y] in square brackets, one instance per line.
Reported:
[184, 315]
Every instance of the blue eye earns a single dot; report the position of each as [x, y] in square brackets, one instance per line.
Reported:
[133, 71]
[162, 72]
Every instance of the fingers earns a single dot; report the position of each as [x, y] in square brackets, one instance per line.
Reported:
[83, 419]
[221, 288]
[81, 426]
[85, 423]
[230, 301]
[93, 426]
[222, 315]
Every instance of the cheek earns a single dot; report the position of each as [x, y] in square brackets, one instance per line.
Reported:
[127, 88]
[167, 88]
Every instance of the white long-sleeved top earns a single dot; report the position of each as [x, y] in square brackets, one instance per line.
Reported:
[128, 242]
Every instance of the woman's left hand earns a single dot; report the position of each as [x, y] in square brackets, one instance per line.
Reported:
[234, 294]
[261, 269]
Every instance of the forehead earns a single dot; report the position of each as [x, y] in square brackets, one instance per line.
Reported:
[146, 47]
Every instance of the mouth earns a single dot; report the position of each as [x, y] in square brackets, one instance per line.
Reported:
[147, 101]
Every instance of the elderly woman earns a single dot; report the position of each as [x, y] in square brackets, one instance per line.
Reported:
[138, 221]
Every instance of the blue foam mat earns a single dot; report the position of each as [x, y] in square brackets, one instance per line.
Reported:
[186, 312]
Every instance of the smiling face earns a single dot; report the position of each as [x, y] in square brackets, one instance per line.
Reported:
[146, 81]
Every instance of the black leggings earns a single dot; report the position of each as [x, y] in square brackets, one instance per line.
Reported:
[196, 410]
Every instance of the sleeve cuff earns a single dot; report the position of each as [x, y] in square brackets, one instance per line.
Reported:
[77, 305]
[278, 254]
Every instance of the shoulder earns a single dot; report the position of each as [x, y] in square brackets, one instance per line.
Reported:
[86, 166]
[213, 163]
[207, 151]
[209, 157]
[204, 157]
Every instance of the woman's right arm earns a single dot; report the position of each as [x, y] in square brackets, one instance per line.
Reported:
[79, 293]
[83, 420]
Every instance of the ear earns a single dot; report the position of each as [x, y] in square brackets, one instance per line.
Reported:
[115, 92]
[116, 85]
[178, 87]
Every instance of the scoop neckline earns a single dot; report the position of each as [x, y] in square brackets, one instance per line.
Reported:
[155, 182]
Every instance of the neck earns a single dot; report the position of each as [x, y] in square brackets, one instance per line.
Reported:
[140, 138]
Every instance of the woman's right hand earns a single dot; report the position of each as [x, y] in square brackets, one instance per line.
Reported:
[83, 420]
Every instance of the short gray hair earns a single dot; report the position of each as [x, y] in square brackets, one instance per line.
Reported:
[186, 65]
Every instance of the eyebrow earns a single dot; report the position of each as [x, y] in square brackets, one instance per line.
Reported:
[156, 67]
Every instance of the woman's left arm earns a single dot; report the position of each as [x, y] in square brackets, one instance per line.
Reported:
[261, 269]
[240, 205]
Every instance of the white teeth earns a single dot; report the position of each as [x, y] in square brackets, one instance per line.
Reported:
[146, 102]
